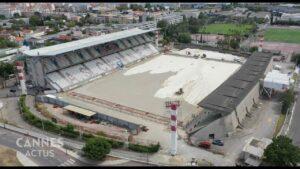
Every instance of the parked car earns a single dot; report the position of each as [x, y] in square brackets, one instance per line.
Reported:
[218, 142]
[205, 144]
[237, 60]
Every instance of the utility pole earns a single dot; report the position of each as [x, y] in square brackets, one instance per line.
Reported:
[43, 125]
[1, 106]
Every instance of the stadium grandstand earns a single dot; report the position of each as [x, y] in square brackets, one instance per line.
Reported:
[65, 66]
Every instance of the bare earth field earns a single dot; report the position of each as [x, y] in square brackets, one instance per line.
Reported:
[285, 48]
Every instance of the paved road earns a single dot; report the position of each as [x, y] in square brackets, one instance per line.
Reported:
[44, 158]
[295, 125]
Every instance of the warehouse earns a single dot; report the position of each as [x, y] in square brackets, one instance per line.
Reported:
[232, 100]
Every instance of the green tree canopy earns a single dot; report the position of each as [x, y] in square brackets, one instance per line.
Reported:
[282, 152]
[136, 7]
[296, 58]
[2, 17]
[6, 69]
[4, 43]
[184, 38]
[122, 8]
[162, 24]
[287, 100]
[96, 148]
[194, 25]
[36, 20]
[71, 24]
[148, 5]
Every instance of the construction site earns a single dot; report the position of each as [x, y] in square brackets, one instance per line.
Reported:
[127, 89]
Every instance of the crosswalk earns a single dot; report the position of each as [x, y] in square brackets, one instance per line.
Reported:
[70, 162]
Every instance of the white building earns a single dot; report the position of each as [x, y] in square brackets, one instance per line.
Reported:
[293, 17]
[253, 151]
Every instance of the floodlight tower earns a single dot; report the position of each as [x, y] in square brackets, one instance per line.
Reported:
[173, 129]
[21, 76]
[156, 38]
[261, 39]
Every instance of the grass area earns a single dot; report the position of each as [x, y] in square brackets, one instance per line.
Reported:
[8, 157]
[226, 28]
[283, 35]
[279, 124]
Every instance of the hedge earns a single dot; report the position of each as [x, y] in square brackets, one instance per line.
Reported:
[45, 124]
[153, 148]
[113, 143]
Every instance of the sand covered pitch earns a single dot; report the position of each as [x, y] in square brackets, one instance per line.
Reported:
[197, 77]
[147, 85]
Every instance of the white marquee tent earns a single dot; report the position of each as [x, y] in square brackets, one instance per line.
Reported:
[277, 81]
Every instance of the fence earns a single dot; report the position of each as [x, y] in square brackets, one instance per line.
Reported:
[132, 111]
[233, 52]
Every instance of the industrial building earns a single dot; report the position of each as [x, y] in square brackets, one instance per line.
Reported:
[226, 107]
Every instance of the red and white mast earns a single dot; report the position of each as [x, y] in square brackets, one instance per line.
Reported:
[21, 76]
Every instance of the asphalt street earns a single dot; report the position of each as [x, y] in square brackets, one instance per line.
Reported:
[41, 155]
[295, 125]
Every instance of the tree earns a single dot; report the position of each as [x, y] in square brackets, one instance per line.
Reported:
[6, 69]
[96, 148]
[287, 100]
[271, 18]
[233, 43]
[17, 24]
[2, 17]
[162, 24]
[148, 5]
[149, 18]
[36, 20]
[122, 8]
[184, 38]
[281, 152]
[296, 58]
[71, 24]
[253, 49]
[194, 25]
[16, 15]
[136, 7]
[4, 43]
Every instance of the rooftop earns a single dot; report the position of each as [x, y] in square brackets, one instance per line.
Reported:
[84, 43]
[228, 95]
[256, 146]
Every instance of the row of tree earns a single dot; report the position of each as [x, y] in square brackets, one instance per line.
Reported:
[137, 7]
[180, 32]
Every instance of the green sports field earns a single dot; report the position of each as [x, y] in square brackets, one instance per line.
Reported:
[283, 35]
[226, 29]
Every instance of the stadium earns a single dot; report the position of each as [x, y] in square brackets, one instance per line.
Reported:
[121, 83]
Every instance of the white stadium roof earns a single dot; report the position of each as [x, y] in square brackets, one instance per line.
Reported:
[83, 43]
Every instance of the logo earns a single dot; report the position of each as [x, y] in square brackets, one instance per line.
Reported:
[40, 147]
